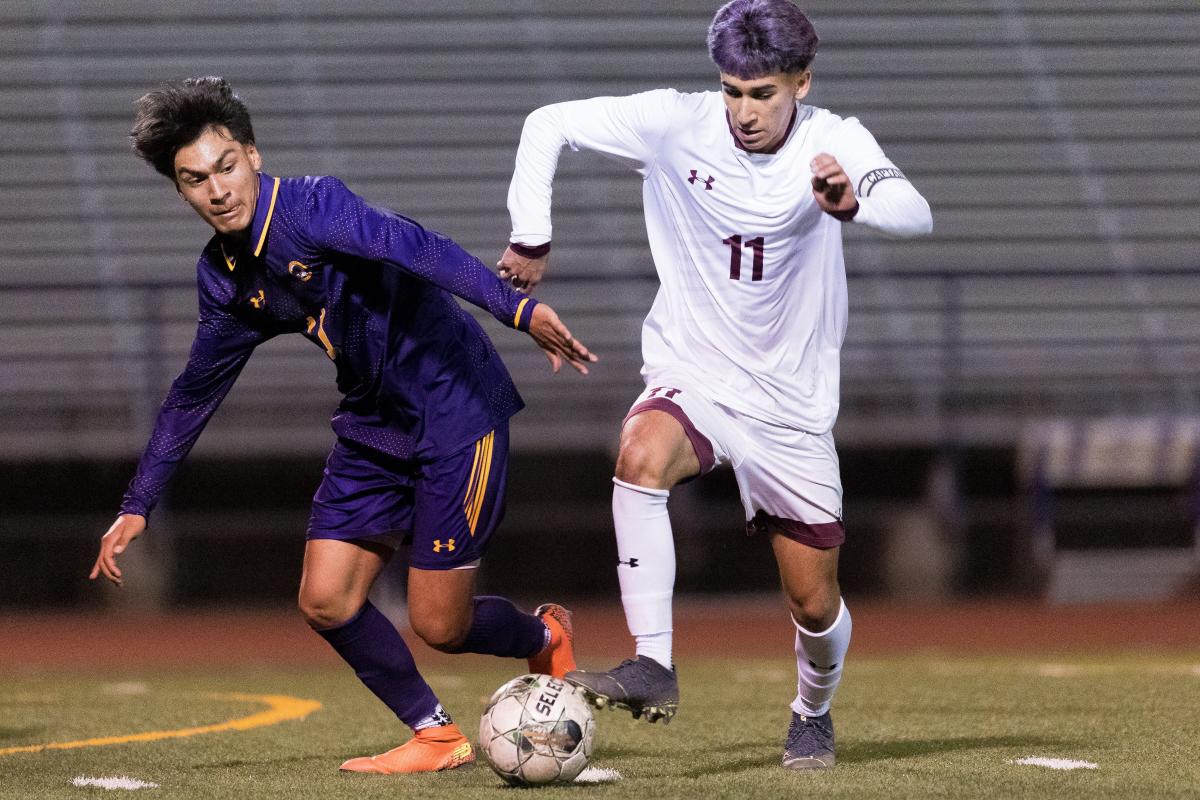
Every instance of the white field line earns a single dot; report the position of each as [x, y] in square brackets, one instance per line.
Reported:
[1059, 670]
[121, 782]
[125, 688]
[763, 674]
[1055, 763]
[598, 775]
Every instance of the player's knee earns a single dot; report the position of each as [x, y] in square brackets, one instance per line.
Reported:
[816, 611]
[642, 464]
[322, 612]
[445, 635]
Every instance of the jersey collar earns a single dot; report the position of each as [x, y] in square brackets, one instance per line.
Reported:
[264, 210]
[778, 145]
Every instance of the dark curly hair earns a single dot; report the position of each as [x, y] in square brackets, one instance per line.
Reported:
[753, 38]
[175, 116]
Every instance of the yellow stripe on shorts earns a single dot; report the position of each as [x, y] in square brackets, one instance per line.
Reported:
[474, 472]
[487, 443]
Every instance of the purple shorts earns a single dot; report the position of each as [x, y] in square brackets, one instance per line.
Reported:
[445, 509]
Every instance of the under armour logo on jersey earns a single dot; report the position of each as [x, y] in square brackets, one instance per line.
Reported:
[631, 563]
[708, 182]
[439, 547]
[260, 301]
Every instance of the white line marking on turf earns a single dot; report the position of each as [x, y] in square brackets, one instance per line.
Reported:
[598, 775]
[121, 782]
[760, 674]
[128, 688]
[1058, 670]
[1055, 763]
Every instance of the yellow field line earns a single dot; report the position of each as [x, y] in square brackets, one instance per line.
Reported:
[281, 709]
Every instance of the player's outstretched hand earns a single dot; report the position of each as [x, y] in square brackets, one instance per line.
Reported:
[523, 273]
[556, 341]
[123, 531]
[831, 186]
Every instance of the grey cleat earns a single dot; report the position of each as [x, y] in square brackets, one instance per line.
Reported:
[640, 685]
[809, 742]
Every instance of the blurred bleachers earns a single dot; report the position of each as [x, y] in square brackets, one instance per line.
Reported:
[1056, 141]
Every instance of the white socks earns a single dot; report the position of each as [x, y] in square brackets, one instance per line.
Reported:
[646, 566]
[819, 659]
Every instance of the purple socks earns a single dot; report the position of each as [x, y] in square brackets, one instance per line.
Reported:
[498, 628]
[372, 645]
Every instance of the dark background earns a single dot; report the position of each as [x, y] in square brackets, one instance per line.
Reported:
[1019, 390]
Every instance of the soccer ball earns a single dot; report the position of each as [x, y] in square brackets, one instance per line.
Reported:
[537, 729]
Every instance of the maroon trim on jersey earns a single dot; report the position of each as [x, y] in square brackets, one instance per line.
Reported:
[528, 251]
[700, 443]
[821, 535]
[778, 145]
[845, 216]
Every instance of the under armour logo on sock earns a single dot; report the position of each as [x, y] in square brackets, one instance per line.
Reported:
[630, 563]
[815, 665]
[436, 719]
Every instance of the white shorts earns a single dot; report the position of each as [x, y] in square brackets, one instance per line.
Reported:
[787, 479]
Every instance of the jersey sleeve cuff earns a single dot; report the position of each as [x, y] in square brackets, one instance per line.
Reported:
[847, 215]
[524, 314]
[529, 251]
[134, 507]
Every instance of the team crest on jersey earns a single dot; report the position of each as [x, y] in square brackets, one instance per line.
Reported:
[875, 176]
[300, 271]
[695, 178]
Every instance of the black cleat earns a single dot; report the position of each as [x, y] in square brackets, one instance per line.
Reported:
[640, 685]
[809, 742]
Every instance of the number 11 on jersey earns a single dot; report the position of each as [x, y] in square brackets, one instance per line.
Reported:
[735, 256]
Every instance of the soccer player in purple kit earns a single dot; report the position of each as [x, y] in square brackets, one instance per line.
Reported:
[422, 429]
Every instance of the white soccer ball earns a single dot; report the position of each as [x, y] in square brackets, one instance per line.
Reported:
[537, 729]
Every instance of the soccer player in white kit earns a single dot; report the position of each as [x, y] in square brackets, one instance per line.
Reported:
[745, 191]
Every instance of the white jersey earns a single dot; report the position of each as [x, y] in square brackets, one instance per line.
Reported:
[752, 301]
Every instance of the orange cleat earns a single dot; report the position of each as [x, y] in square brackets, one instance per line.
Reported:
[430, 750]
[558, 657]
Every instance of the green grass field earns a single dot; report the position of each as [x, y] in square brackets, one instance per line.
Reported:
[911, 727]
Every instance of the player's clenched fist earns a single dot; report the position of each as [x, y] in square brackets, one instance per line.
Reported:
[127, 528]
[831, 186]
[522, 272]
[553, 337]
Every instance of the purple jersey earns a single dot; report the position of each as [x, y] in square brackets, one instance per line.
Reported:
[372, 289]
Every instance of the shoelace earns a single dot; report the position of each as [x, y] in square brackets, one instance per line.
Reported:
[809, 732]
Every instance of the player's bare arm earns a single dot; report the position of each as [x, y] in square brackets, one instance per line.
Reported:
[831, 186]
[126, 528]
[557, 342]
[523, 272]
